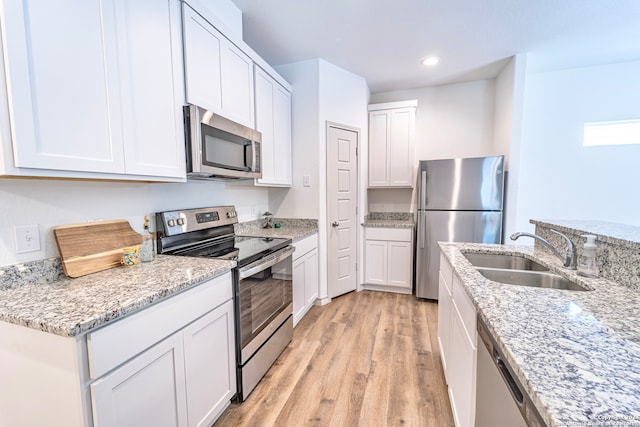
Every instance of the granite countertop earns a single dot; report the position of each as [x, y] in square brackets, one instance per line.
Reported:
[576, 353]
[70, 307]
[290, 228]
[389, 220]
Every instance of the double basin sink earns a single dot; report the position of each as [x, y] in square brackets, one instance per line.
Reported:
[518, 270]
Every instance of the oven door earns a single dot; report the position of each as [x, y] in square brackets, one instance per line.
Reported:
[264, 299]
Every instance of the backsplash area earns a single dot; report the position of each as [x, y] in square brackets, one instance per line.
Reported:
[618, 246]
[49, 203]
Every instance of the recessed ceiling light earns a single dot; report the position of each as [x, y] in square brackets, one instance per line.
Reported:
[430, 61]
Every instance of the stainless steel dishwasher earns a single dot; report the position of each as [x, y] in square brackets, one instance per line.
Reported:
[500, 398]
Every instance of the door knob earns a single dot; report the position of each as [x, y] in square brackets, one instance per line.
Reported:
[335, 224]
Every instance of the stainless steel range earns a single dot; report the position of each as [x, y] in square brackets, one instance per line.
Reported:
[262, 282]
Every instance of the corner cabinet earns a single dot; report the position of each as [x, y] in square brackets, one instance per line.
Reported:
[391, 144]
[305, 276]
[94, 87]
[457, 339]
[388, 259]
[219, 76]
[273, 120]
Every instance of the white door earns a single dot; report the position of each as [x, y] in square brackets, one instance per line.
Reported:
[342, 199]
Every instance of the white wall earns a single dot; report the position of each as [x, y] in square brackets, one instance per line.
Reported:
[452, 121]
[50, 203]
[560, 179]
[321, 92]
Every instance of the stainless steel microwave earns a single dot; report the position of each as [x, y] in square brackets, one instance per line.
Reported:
[218, 148]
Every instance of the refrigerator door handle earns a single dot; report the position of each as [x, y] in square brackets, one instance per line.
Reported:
[423, 191]
[423, 229]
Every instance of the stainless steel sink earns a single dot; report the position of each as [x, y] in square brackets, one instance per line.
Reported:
[513, 262]
[538, 279]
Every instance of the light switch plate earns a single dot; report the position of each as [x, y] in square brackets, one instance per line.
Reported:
[27, 238]
[306, 181]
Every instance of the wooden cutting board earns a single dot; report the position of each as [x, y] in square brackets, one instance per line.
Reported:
[94, 246]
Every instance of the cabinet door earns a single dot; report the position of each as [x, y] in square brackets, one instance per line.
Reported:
[378, 155]
[311, 278]
[299, 284]
[150, 61]
[399, 264]
[444, 323]
[202, 49]
[375, 262]
[462, 378]
[63, 85]
[273, 120]
[148, 390]
[236, 70]
[402, 124]
[210, 365]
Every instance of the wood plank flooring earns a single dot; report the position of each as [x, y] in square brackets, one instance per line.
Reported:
[366, 359]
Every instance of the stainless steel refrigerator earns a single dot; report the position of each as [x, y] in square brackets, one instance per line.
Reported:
[459, 200]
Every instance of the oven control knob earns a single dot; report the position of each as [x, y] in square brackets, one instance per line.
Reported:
[171, 222]
[180, 221]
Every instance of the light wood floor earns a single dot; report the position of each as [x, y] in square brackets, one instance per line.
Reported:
[366, 359]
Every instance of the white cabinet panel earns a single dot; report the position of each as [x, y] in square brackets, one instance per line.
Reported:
[444, 324]
[219, 76]
[148, 390]
[209, 353]
[63, 85]
[391, 144]
[388, 262]
[152, 86]
[273, 120]
[95, 87]
[305, 276]
[375, 264]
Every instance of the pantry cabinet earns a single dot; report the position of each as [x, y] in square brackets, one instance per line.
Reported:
[219, 76]
[273, 120]
[305, 276]
[457, 338]
[94, 87]
[388, 259]
[391, 144]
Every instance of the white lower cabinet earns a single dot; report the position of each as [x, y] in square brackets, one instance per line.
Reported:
[457, 338]
[171, 364]
[305, 276]
[388, 259]
[149, 390]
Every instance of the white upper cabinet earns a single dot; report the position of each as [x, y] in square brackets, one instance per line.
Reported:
[94, 86]
[219, 76]
[273, 120]
[391, 144]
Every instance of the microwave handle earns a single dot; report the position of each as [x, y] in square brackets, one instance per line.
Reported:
[252, 166]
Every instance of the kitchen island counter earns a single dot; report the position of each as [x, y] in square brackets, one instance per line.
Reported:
[576, 353]
[46, 300]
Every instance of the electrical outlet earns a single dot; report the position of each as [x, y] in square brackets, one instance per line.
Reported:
[27, 238]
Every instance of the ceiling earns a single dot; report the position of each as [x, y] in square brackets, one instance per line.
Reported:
[384, 40]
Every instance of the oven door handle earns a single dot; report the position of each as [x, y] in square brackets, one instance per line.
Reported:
[266, 262]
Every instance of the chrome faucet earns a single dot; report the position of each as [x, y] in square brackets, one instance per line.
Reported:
[569, 257]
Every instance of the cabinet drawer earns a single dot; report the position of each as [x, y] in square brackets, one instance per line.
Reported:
[465, 307]
[114, 344]
[305, 245]
[389, 234]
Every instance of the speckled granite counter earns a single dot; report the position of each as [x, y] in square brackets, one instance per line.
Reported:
[290, 228]
[69, 307]
[576, 353]
[389, 220]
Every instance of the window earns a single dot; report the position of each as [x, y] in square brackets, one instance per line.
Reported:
[622, 132]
